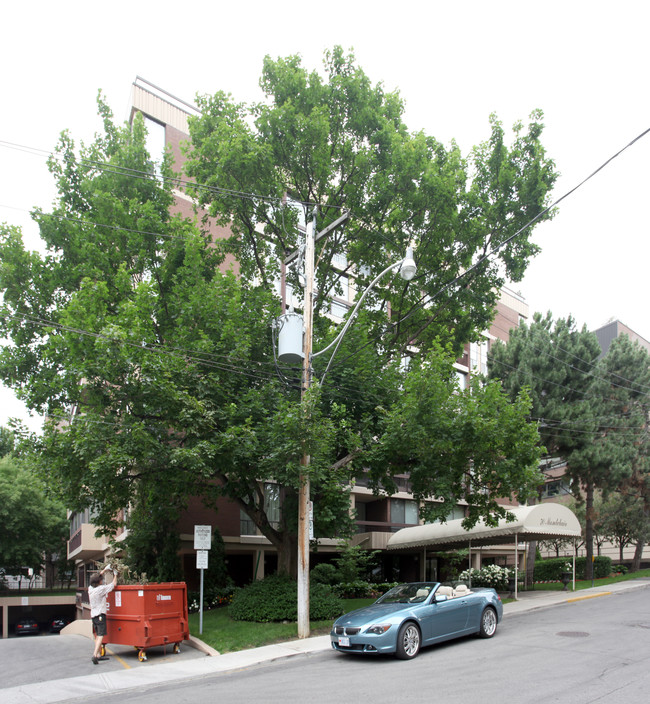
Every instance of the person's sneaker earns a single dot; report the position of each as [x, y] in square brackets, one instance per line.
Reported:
[95, 660]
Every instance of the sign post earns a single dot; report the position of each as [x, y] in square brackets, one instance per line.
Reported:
[202, 543]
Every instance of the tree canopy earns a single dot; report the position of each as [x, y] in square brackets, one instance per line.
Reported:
[592, 410]
[339, 142]
[33, 523]
[155, 363]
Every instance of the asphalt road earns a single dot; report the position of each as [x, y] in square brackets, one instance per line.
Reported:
[53, 657]
[596, 650]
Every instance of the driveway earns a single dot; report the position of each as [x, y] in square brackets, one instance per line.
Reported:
[31, 659]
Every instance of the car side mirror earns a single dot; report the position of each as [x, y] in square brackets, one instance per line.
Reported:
[439, 598]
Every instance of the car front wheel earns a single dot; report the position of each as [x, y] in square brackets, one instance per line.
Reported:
[488, 623]
[408, 641]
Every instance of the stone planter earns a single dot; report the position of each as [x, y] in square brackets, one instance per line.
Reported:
[566, 578]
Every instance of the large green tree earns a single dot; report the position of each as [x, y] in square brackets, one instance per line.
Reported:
[155, 364]
[473, 446]
[620, 450]
[622, 520]
[339, 142]
[592, 410]
[555, 360]
[33, 523]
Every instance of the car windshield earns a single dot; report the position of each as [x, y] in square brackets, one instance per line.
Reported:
[406, 593]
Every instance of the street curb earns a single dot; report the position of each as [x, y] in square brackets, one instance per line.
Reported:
[588, 596]
[199, 645]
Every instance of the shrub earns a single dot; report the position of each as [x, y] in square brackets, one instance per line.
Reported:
[213, 598]
[324, 573]
[551, 570]
[488, 576]
[275, 598]
[620, 569]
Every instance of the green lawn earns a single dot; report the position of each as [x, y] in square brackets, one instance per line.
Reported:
[587, 584]
[226, 635]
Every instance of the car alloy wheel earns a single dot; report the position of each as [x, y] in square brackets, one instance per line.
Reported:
[408, 641]
[488, 623]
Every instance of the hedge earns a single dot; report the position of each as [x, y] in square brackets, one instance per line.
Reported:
[551, 570]
[275, 598]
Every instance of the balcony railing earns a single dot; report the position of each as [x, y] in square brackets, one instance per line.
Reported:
[381, 526]
[83, 544]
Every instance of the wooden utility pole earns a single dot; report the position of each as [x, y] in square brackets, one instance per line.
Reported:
[303, 495]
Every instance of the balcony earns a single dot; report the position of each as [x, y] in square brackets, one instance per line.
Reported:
[83, 545]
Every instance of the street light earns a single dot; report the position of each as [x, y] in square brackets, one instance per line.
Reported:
[407, 269]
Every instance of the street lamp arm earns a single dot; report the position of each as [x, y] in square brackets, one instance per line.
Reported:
[350, 320]
[407, 271]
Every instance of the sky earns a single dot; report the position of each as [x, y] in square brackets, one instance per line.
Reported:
[585, 64]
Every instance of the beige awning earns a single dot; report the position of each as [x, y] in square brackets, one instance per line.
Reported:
[539, 522]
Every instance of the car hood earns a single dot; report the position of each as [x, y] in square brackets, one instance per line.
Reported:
[371, 613]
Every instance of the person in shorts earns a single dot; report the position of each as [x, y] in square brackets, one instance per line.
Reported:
[97, 593]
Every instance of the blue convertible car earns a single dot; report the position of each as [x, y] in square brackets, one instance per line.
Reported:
[414, 615]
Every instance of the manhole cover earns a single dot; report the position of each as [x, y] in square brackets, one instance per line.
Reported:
[573, 634]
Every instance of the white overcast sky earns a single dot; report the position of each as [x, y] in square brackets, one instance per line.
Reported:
[585, 64]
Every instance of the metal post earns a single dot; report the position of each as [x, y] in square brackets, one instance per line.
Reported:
[516, 566]
[303, 495]
[201, 605]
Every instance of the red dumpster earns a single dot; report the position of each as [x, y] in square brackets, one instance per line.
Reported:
[147, 615]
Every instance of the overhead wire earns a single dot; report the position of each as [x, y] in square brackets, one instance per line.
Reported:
[428, 298]
[107, 167]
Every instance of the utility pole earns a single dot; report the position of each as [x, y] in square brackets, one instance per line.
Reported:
[303, 495]
[407, 270]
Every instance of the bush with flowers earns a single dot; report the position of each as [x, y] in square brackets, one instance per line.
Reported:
[213, 598]
[488, 576]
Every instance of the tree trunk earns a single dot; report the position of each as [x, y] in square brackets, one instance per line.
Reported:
[589, 531]
[636, 562]
[288, 555]
[530, 562]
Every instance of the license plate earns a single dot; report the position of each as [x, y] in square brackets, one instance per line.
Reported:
[344, 641]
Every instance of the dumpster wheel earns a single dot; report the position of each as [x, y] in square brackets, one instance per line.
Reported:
[142, 656]
[177, 648]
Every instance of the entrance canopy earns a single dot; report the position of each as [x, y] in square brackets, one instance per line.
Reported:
[539, 522]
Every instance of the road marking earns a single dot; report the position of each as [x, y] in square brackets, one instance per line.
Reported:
[588, 596]
[124, 664]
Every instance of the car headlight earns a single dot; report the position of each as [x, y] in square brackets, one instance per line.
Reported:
[378, 629]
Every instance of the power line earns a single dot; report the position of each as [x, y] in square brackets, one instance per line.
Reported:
[427, 299]
[173, 180]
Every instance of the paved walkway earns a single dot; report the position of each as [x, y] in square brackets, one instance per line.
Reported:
[111, 681]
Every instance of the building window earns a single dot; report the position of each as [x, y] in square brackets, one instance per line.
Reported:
[555, 488]
[478, 357]
[272, 507]
[272, 501]
[455, 513]
[404, 511]
[246, 526]
[155, 143]
[338, 310]
[340, 261]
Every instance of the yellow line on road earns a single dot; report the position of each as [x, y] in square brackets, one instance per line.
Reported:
[123, 663]
[588, 596]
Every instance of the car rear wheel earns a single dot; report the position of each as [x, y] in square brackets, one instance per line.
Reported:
[488, 623]
[408, 641]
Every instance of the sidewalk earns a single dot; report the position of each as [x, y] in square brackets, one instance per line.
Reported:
[103, 683]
